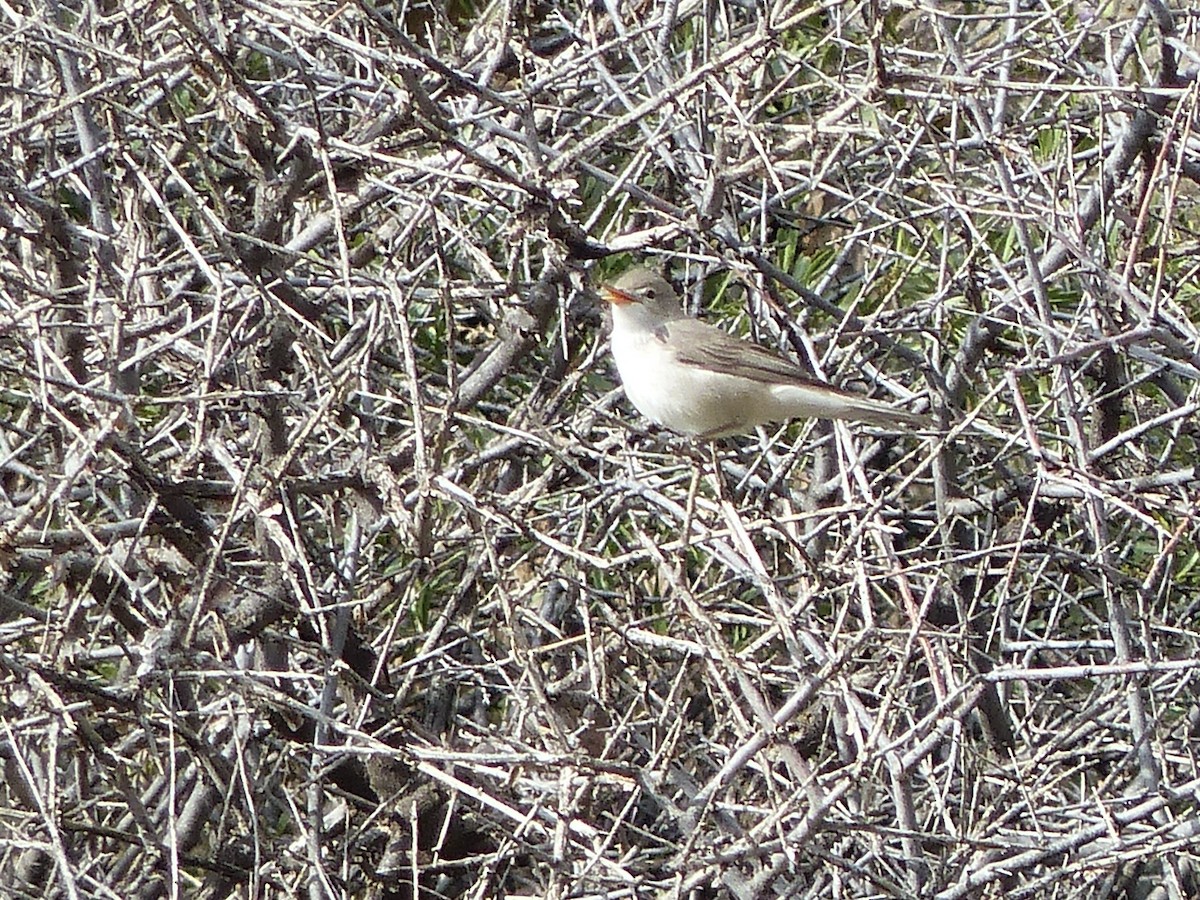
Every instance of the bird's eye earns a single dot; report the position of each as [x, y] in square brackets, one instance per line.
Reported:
[649, 293]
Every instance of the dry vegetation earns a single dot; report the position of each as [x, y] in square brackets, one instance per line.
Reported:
[327, 533]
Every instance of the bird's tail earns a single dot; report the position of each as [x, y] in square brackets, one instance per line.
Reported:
[873, 412]
[829, 402]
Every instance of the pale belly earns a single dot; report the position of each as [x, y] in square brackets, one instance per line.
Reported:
[688, 399]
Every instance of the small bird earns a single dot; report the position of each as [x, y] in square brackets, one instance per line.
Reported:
[702, 382]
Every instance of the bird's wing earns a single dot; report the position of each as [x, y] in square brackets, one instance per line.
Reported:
[698, 344]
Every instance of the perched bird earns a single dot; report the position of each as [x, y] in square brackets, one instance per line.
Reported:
[700, 381]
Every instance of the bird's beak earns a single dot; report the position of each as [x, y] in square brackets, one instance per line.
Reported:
[615, 297]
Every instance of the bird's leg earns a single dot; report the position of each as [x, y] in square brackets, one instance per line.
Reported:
[688, 514]
[718, 477]
[627, 454]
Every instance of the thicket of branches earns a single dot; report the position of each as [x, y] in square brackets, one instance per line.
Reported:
[336, 564]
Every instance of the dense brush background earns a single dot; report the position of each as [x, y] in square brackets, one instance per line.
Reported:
[334, 564]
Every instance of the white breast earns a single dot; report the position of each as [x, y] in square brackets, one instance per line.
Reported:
[684, 398]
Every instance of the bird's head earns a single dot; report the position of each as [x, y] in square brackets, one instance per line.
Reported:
[642, 294]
